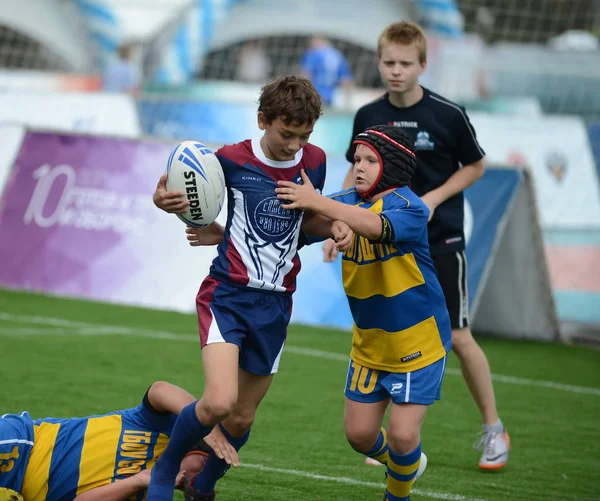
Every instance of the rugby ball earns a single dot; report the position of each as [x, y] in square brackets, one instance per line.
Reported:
[194, 169]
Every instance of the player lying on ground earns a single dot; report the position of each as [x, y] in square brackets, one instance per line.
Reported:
[401, 332]
[244, 305]
[99, 458]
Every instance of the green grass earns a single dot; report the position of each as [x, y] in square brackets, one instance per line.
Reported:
[54, 369]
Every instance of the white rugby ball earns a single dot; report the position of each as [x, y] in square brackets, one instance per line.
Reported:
[194, 169]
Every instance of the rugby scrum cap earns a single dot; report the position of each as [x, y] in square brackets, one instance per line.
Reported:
[396, 153]
[9, 495]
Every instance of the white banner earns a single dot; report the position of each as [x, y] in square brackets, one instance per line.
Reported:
[85, 112]
[559, 155]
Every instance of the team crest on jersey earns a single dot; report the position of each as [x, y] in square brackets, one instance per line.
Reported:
[423, 141]
[272, 221]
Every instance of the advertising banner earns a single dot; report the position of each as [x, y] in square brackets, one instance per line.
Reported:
[557, 151]
[77, 219]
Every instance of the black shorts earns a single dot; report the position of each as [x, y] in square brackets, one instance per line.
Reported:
[452, 275]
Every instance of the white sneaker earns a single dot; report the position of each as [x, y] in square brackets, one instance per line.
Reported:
[422, 464]
[495, 447]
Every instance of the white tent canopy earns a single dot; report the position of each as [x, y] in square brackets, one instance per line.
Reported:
[48, 22]
[354, 21]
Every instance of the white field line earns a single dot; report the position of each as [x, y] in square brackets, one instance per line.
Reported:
[353, 481]
[89, 329]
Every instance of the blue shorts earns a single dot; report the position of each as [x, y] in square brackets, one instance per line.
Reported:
[422, 386]
[254, 320]
[16, 442]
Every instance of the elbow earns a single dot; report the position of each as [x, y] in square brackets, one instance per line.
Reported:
[374, 232]
[373, 236]
[479, 169]
[157, 385]
[155, 389]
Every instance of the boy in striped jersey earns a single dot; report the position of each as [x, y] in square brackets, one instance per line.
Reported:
[401, 332]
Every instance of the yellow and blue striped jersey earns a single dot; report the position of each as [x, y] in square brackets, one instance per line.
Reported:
[401, 323]
[71, 456]
[16, 442]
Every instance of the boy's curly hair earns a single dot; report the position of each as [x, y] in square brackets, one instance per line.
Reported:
[293, 99]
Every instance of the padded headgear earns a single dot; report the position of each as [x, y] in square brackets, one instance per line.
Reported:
[201, 447]
[9, 495]
[396, 153]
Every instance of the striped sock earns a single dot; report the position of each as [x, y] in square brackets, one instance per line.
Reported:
[379, 452]
[402, 470]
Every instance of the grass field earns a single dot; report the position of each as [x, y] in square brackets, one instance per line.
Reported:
[65, 358]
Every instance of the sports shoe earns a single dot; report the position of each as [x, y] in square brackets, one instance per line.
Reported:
[191, 494]
[422, 466]
[495, 447]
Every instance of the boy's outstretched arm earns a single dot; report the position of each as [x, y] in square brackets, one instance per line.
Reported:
[166, 397]
[362, 222]
[316, 225]
[121, 490]
[322, 227]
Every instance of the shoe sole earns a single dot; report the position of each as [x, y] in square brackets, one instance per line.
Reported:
[491, 467]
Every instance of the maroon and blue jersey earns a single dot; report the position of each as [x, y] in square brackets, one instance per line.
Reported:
[259, 249]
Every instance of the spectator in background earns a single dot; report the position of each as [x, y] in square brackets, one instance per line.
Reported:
[327, 68]
[253, 64]
[121, 74]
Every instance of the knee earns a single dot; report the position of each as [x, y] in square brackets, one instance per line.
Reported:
[462, 339]
[403, 441]
[214, 409]
[361, 438]
[240, 421]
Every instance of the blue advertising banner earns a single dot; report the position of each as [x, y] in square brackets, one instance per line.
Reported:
[320, 298]
[487, 204]
[594, 131]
